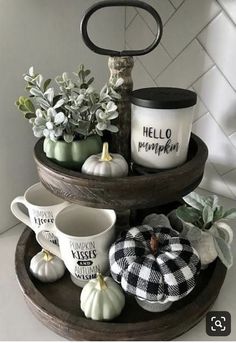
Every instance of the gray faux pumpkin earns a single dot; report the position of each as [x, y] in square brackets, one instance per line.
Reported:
[106, 164]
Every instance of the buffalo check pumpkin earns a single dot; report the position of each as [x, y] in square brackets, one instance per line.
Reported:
[166, 273]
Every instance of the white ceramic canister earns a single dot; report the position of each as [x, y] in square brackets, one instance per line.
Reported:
[161, 123]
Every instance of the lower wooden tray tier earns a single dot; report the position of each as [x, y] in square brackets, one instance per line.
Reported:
[131, 192]
[57, 305]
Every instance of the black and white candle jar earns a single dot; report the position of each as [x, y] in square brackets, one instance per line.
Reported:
[161, 123]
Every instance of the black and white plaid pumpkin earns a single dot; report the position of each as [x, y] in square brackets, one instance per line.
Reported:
[167, 274]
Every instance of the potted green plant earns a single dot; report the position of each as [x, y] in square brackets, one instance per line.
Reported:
[71, 116]
[203, 223]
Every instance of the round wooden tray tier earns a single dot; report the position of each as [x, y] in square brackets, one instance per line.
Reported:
[57, 305]
[131, 192]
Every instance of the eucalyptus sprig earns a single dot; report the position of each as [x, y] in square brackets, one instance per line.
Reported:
[204, 214]
[76, 110]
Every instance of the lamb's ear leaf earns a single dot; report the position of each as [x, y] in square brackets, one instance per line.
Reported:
[224, 252]
[218, 213]
[188, 214]
[212, 201]
[230, 214]
[195, 200]
[207, 214]
[191, 232]
[217, 230]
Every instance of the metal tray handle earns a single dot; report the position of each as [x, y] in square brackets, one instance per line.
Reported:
[113, 3]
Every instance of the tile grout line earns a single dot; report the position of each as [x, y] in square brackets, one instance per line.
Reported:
[226, 136]
[194, 39]
[211, 114]
[167, 52]
[218, 124]
[175, 58]
[162, 21]
[223, 75]
[125, 18]
[222, 180]
[218, 67]
[131, 21]
[229, 171]
[177, 6]
[199, 77]
[9, 228]
[226, 12]
[176, 10]
[209, 161]
[186, 46]
[209, 23]
[141, 17]
[143, 65]
[202, 115]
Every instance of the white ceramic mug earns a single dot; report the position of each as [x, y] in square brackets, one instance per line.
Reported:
[85, 235]
[42, 208]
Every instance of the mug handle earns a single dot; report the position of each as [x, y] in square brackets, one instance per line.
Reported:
[47, 245]
[17, 211]
[228, 229]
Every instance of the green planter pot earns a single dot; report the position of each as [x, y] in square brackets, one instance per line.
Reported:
[72, 155]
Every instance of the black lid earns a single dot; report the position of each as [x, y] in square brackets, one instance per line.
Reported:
[163, 97]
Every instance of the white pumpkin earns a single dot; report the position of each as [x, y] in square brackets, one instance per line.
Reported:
[47, 267]
[107, 165]
[102, 299]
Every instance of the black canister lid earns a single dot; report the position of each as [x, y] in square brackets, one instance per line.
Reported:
[163, 97]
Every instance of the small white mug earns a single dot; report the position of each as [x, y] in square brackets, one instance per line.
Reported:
[42, 208]
[85, 235]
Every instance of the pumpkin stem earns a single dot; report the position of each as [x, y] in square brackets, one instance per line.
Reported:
[47, 256]
[106, 157]
[101, 283]
[154, 242]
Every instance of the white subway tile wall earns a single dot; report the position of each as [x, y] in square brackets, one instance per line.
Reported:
[163, 7]
[176, 3]
[197, 51]
[211, 88]
[187, 67]
[187, 22]
[230, 8]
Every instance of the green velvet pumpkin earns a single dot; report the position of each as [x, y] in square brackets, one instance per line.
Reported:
[72, 155]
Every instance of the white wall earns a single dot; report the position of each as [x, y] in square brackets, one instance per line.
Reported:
[43, 33]
[198, 50]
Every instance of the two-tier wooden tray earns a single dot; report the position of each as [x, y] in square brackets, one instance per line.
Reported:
[57, 305]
